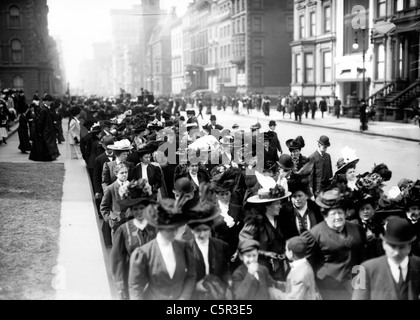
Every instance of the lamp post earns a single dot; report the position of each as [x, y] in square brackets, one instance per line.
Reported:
[356, 47]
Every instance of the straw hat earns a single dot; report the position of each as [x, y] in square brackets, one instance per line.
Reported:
[122, 145]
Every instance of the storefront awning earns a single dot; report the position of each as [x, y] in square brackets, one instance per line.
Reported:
[351, 75]
[407, 27]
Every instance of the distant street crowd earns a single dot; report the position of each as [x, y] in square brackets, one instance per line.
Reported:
[191, 209]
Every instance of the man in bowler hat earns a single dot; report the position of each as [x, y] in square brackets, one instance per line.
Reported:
[322, 168]
[395, 275]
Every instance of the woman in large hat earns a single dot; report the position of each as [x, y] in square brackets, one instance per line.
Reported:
[135, 197]
[120, 149]
[211, 255]
[230, 222]
[163, 269]
[262, 224]
[346, 166]
[301, 165]
[335, 246]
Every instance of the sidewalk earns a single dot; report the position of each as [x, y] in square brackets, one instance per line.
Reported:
[405, 131]
[82, 261]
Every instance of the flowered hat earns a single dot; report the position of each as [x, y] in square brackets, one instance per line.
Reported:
[166, 213]
[269, 192]
[122, 145]
[330, 199]
[134, 192]
[294, 144]
[348, 159]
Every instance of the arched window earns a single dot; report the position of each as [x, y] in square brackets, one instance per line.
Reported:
[15, 18]
[18, 82]
[17, 55]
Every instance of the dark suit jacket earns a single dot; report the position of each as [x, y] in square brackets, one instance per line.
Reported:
[321, 172]
[110, 209]
[218, 259]
[275, 142]
[154, 174]
[108, 174]
[287, 218]
[247, 287]
[148, 278]
[97, 172]
[380, 285]
[230, 235]
[270, 155]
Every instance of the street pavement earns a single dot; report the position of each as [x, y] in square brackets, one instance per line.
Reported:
[82, 266]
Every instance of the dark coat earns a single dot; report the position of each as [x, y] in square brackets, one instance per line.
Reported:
[380, 285]
[23, 132]
[97, 171]
[270, 155]
[154, 174]
[230, 235]
[247, 287]
[148, 278]
[321, 172]
[218, 258]
[258, 227]
[126, 239]
[287, 219]
[333, 257]
[108, 173]
[275, 142]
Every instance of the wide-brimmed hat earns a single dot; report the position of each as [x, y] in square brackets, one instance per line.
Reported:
[225, 181]
[122, 145]
[285, 162]
[295, 185]
[398, 231]
[107, 141]
[330, 199]
[272, 123]
[145, 150]
[165, 214]
[96, 128]
[297, 143]
[325, 141]
[343, 164]
[265, 195]
[184, 185]
[134, 192]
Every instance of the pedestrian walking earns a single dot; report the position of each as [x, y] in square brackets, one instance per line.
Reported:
[363, 116]
[323, 106]
[23, 131]
[337, 107]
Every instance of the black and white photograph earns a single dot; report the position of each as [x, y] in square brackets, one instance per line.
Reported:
[218, 152]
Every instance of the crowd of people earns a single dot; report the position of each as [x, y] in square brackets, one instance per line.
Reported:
[194, 210]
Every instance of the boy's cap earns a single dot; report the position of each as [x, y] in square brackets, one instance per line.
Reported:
[297, 245]
[248, 245]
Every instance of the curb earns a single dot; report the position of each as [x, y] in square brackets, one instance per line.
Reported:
[342, 129]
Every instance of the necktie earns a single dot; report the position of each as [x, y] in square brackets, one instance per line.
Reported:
[401, 278]
[302, 221]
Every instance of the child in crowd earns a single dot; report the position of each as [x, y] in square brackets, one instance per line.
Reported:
[251, 280]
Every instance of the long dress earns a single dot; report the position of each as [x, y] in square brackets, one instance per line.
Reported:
[23, 132]
[44, 146]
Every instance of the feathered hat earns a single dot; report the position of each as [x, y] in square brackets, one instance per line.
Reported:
[269, 192]
[348, 159]
[134, 192]
[226, 180]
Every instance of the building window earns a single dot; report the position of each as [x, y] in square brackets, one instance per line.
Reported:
[301, 26]
[381, 9]
[243, 24]
[327, 19]
[380, 62]
[289, 23]
[313, 24]
[309, 68]
[298, 69]
[15, 18]
[17, 56]
[257, 4]
[412, 4]
[257, 76]
[399, 5]
[326, 63]
[18, 82]
[257, 24]
[257, 48]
